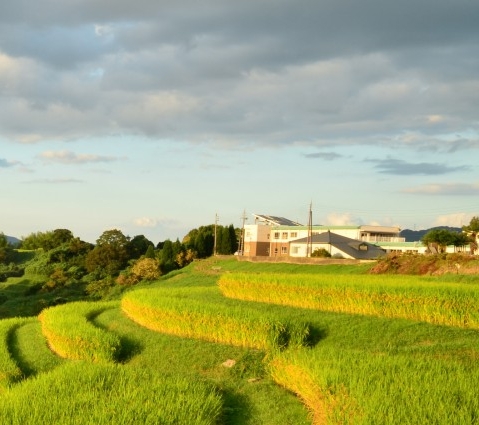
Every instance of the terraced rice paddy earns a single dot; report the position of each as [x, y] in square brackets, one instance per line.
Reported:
[220, 343]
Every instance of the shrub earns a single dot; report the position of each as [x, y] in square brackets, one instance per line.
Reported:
[321, 253]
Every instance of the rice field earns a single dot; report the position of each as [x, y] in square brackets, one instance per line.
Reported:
[102, 394]
[227, 343]
[71, 335]
[178, 312]
[354, 387]
[392, 296]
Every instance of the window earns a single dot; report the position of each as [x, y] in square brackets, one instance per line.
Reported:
[284, 250]
[284, 235]
[276, 235]
[363, 247]
[275, 251]
[294, 234]
[295, 249]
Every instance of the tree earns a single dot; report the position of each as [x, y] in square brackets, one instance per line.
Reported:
[110, 255]
[200, 241]
[47, 240]
[439, 239]
[226, 243]
[6, 251]
[146, 269]
[472, 230]
[150, 252]
[138, 246]
[167, 257]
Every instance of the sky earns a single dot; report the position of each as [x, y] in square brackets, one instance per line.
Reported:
[156, 117]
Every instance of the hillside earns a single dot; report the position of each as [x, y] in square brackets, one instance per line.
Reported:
[416, 235]
[244, 343]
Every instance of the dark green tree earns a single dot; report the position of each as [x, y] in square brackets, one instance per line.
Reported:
[138, 246]
[150, 252]
[6, 250]
[110, 254]
[167, 257]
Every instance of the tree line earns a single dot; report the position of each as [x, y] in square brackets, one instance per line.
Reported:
[115, 258]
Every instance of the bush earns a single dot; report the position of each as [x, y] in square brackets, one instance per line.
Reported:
[320, 253]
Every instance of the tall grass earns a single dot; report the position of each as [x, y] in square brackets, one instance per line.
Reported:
[70, 333]
[10, 372]
[82, 393]
[342, 386]
[409, 297]
[177, 312]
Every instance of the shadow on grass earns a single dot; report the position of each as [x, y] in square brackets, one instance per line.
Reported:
[16, 353]
[236, 409]
[316, 334]
[129, 348]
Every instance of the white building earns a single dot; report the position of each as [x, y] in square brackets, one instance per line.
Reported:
[276, 236]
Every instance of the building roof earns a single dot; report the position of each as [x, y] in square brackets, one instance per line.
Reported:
[271, 220]
[352, 247]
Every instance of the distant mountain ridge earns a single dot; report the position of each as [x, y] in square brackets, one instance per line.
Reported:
[12, 240]
[416, 235]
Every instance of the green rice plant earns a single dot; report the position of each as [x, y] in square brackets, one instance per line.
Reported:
[179, 312]
[70, 333]
[10, 372]
[82, 393]
[342, 386]
[410, 297]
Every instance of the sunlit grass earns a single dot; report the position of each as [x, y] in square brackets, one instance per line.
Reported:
[71, 334]
[178, 312]
[84, 393]
[10, 372]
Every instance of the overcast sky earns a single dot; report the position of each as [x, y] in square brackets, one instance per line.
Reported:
[153, 116]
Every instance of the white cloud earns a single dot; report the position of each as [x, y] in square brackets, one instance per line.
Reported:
[341, 219]
[145, 222]
[450, 189]
[453, 220]
[68, 157]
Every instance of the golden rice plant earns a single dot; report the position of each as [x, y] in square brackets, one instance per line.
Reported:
[71, 334]
[343, 386]
[410, 297]
[177, 312]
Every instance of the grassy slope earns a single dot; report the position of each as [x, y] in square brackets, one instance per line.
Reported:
[250, 395]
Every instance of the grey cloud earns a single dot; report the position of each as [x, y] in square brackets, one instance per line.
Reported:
[327, 156]
[400, 167]
[5, 163]
[234, 73]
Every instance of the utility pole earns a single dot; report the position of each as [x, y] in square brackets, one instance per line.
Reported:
[309, 247]
[216, 223]
[241, 242]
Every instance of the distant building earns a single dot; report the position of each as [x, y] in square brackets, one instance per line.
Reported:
[273, 236]
[278, 236]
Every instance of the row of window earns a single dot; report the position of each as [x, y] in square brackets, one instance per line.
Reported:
[284, 235]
